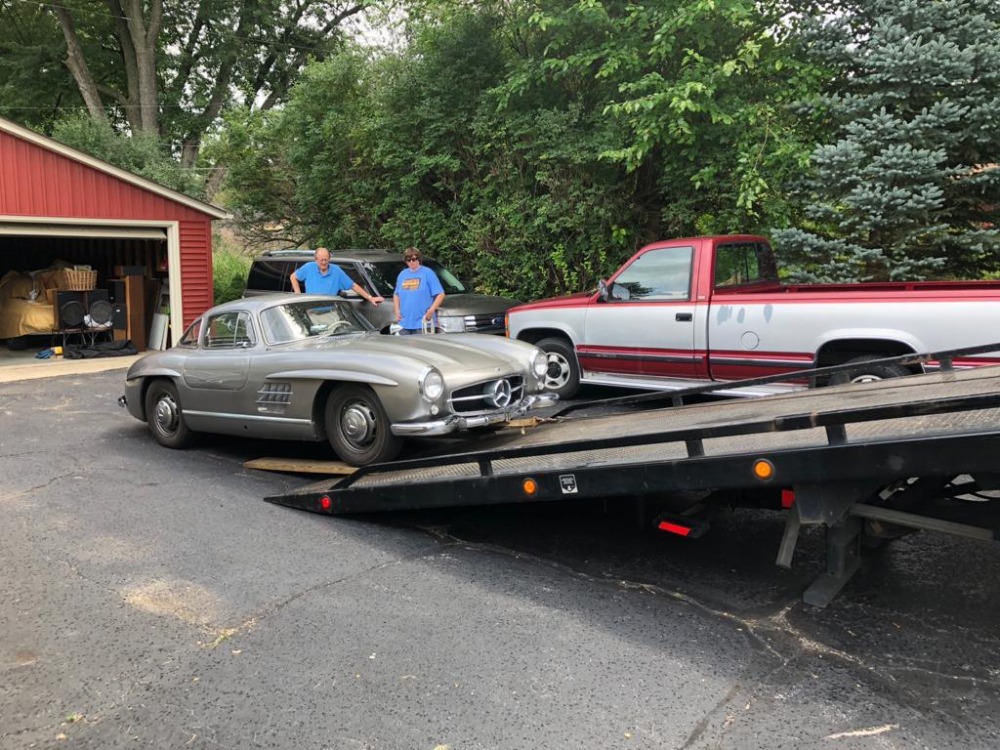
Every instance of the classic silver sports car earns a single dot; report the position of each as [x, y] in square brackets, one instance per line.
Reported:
[308, 367]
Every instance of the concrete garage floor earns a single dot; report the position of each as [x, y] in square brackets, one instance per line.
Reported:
[22, 364]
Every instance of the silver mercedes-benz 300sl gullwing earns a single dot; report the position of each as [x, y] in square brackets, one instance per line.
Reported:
[308, 367]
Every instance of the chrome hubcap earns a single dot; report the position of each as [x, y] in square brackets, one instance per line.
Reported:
[558, 373]
[357, 423]
[166, 414]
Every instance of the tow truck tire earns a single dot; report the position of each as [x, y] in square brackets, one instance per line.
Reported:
[864, 372]
[563, 375]
[358, 427]
[165, 417]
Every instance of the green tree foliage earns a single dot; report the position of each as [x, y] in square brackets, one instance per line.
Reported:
[34, 86]
[702, 90]
[165, 68]
[141, 154]
[908, 190]
[534, 144]
[230, 268]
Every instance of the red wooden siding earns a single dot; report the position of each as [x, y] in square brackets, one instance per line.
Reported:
[41, 183]
[37, 182]
[196, 261]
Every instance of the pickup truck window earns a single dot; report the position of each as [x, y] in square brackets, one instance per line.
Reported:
[741, 263]
[661, 274]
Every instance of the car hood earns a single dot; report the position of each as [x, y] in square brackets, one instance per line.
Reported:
[569, 300]
[471, 304]
[446, 352]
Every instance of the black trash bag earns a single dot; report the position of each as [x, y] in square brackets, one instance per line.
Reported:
[100, 349]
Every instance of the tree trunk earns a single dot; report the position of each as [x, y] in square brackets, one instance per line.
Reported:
[143, 37]
[78, 68]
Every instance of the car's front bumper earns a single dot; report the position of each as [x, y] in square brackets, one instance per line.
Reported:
[455, 423]
[131, 400]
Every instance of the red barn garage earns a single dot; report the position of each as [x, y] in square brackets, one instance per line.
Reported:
[79, 236]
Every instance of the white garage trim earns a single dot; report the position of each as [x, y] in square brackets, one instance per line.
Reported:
[69, 230]
[29, 226]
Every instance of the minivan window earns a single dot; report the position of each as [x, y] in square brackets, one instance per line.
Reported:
[384, 272]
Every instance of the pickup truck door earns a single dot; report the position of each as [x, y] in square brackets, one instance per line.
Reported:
[645, 324]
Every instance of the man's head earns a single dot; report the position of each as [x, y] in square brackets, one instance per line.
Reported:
[322, 258]
[414, 255]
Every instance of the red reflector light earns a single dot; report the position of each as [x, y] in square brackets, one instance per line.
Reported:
[674, 528]
[325, 503]
[787, 498]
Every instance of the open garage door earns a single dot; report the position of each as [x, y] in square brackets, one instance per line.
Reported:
[129, 266]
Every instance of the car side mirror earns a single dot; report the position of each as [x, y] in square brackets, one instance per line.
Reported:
[620, 293]
[602, 290]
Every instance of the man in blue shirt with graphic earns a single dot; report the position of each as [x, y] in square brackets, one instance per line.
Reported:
[320, 277]
[417, 296]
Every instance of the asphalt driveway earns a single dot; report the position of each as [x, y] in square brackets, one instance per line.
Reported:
[151, 599]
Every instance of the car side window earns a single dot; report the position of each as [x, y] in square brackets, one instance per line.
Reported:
[267, 275]
[656, 275]
[229, 330]
[352, 271]
[191, 335]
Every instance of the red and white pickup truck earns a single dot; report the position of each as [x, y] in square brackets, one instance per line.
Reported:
[706, 309]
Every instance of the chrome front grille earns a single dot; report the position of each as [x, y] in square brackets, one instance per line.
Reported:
[489, 396]
[485, 323]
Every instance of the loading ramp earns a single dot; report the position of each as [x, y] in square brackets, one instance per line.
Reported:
[867, 461]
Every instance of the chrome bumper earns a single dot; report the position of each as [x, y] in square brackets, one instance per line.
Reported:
[456, 423]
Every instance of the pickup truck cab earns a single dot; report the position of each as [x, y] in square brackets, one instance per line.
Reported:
[707, 309]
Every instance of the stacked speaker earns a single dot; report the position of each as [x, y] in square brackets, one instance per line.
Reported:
[90, 309]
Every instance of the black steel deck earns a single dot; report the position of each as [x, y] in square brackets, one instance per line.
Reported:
[945, 423]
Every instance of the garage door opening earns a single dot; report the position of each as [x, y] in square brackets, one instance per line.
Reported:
[84, 283]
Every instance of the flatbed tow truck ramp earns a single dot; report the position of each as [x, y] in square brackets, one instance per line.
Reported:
[870, 461]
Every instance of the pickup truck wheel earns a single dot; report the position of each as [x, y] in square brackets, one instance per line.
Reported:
[358, 427]
[865, 372]
[165, 417]
[563, 375]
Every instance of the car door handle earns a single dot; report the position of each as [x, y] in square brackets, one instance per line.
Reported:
[683, 317]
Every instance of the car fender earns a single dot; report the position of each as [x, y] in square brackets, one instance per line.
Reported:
[148, 373]
[336, 375]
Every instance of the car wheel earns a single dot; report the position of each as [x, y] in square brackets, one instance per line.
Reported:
[563, 375]
[165, 416]
[358, 427]
[865, 372]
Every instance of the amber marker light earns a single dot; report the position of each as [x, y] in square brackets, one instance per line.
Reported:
[763, 469]
[530, 486]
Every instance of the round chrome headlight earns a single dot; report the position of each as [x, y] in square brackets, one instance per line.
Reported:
[432, 385]
[540, 364]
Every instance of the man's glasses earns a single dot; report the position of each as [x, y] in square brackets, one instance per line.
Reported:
[408, 258]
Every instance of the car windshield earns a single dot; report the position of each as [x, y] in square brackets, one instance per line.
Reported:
[384, 273]
[297, 321]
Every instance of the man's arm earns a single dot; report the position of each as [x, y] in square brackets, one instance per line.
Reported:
[395, 306]
[373, 298]
[295, 282]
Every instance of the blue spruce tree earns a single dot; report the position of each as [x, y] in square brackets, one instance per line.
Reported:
[909, 188]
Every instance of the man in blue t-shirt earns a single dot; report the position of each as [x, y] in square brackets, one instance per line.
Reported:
[320, 277]
[418, 294]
